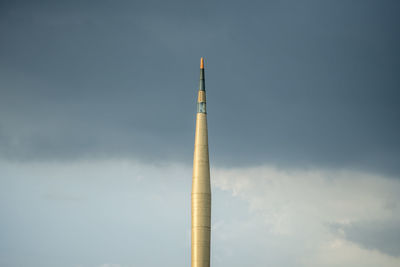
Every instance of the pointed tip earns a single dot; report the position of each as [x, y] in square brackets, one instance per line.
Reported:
[201, 63]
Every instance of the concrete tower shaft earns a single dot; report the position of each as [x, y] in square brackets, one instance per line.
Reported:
[201, 189]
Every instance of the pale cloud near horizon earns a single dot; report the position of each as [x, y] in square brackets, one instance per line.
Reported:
[301, 206]
[122, 212]
[113, 265]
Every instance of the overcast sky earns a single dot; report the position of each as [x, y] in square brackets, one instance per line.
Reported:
[97, 114]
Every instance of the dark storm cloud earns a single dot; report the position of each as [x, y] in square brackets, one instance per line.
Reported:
[383, 236]
[289, 83]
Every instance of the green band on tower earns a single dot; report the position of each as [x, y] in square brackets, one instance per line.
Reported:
[202, 85]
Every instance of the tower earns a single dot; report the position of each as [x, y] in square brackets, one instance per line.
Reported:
[201, 189]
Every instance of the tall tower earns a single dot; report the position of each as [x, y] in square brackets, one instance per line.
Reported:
[201, 189]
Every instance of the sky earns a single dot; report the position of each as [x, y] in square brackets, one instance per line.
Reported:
[97, 116]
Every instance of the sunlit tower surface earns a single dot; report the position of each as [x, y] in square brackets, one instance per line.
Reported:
[201, 189]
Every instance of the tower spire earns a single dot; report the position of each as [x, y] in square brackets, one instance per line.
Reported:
[201, 189]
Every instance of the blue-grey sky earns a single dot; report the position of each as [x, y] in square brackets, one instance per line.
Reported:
[297, 90]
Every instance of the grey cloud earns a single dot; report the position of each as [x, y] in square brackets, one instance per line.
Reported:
[374, 235]
[289, 83]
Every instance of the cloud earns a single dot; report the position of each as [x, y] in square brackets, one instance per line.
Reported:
[340, 252]
[299, 207]
[309, 85]
[96, 212]
[125, 212]
[113, 265]
[383, 235]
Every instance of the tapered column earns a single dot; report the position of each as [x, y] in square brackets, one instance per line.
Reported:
[201, 189]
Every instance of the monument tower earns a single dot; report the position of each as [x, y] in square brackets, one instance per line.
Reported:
[201, 189]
